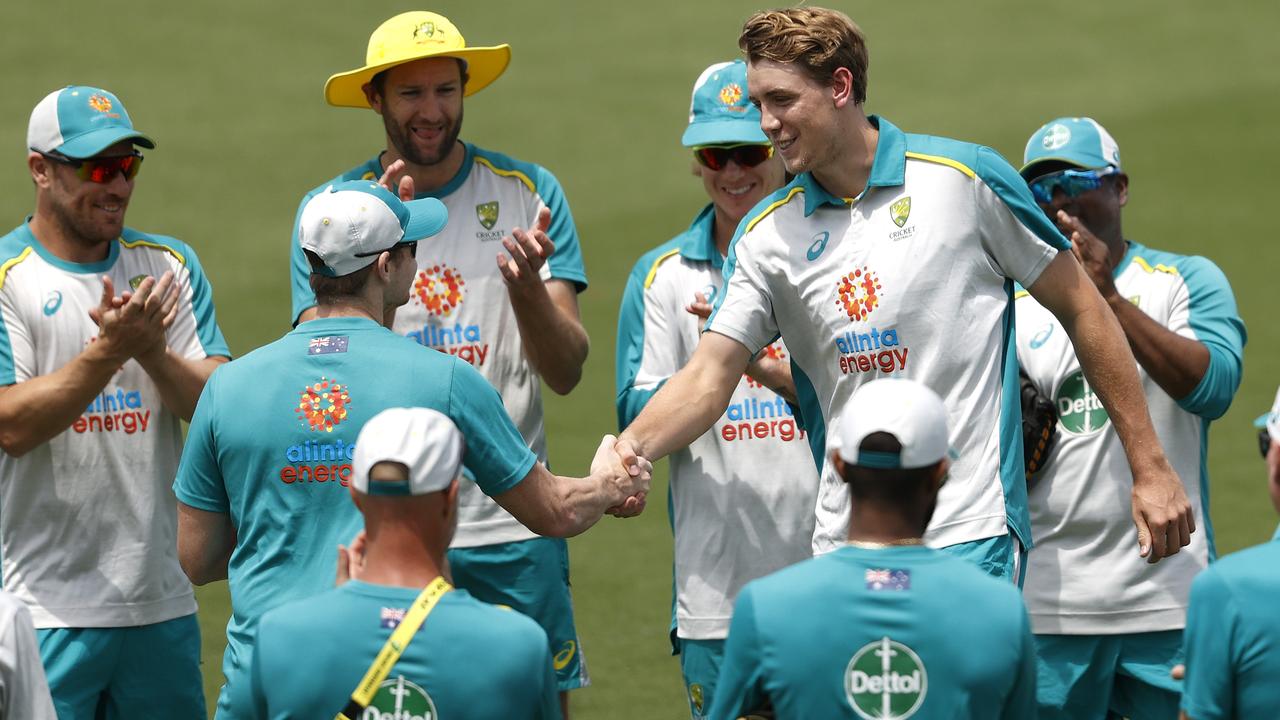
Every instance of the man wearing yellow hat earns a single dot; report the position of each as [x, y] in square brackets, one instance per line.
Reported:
[498, 288]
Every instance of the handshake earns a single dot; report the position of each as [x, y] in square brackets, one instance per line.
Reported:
[624, 474]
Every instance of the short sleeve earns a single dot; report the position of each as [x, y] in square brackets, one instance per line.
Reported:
[1205, 310]
[648, 342]
[739, 689]
[744, 311]
[496, 454]
[299, 269]
[565, 262]
[1017, 236]
[199, 292]
[1210, 646]
[199, 483]
[17, 351]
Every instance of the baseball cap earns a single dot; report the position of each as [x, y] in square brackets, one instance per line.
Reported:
[424, 440]
[1271, 420]
[412, 36]
[1079, 141]
[912, 413]
[349, 223]
[719, 112]
[80, 121]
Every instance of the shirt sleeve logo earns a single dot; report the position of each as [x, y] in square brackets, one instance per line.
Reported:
[323, 405]
[885, 680]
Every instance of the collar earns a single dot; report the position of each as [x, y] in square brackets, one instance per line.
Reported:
[455, 182]
[888, 169]
[332, 324]
[698, 242]
[113, 251]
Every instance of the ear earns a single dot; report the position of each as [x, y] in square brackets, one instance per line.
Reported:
[371, 94]
[1122, 188]
[939, 474]
[383, 263]
[842, 87]
[838, 463]
[451, 497]
[696, 169]
[355, 496]
[41, 170]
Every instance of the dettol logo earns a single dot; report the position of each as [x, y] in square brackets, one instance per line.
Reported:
[885, 680]
[400, 699]
[1079, 410]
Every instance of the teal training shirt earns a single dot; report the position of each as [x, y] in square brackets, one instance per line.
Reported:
[468, 660]
[271, 445]
[1232, 639]
[894, 633]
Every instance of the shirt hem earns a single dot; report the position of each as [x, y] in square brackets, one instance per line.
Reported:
[120, 616]
[1117, 623]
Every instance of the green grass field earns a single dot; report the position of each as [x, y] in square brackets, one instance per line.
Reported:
[598, 92]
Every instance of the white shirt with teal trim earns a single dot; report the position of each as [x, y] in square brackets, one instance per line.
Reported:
[459, 303]
[742, 495]
[914, 278]
[88, 524]
[1085, 577]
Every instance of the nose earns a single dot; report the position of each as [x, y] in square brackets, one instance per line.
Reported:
[769, 122]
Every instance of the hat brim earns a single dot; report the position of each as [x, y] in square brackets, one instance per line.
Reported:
[427, 217]
[484, 65]
[723, 132]
[91, 143]
[1077, 162]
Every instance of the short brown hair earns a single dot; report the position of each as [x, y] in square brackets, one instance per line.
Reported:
[329, 290]
[819, 40]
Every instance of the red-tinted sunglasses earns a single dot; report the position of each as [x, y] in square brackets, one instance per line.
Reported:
[101, 169]
[715, 157]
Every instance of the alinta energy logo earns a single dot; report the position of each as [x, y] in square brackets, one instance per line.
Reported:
[101, 103]
[858, 294]
[399, 699]
[119, 411]
[322, 406]
[761, 418]
[441, 290]
[1080, 411]
[885, 680]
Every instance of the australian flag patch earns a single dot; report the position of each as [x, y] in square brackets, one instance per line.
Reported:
[888, 579]
[391, 617]
[327, 344]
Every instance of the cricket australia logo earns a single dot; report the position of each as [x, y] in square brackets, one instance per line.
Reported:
[423, 32]
[1080, 412]
[487, 214]
[400, 699]
[901, 210]
[885, 680]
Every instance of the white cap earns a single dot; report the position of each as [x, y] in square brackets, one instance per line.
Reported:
[1271, 420]
[349, 224]
[912, 413]
[423, 440]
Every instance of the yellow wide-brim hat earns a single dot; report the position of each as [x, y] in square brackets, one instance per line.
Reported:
[412, 36]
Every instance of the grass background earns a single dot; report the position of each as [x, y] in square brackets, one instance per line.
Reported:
[598, 92]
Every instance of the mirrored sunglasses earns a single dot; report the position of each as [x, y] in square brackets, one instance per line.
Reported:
[1071, 182]
[717, 157]
[101, 169]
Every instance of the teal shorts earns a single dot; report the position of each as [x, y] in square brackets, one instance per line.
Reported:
[530, 577]
[1108, 676]
[148, 671]
[700, 662]
[1000, 557]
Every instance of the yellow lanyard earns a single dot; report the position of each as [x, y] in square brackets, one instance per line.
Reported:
[394, 648]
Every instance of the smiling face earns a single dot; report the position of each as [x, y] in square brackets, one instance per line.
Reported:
[799, 115]
[421, 108]
[735, 189]
[89, 213]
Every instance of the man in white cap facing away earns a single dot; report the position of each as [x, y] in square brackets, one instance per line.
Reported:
[397, 638]
[270, 448]
[1108, 645]
[107, 336]
[882, 627]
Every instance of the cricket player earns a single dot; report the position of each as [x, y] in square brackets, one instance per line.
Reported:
[270, 448]
[893, 254]
[1108, 626]
[463, 658]
[882, 627]
[107, 335]
[1233, 629]
[742, 495]
[497, 289]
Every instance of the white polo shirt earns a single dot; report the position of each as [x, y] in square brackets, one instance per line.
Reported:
[1086, 576]
[88, 522]
[459, 303]
[742, 495]
[914, 278]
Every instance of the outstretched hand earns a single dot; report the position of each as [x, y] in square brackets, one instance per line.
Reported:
[404, 188]
[527, 252]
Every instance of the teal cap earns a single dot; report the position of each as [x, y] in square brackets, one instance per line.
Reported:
[720, 113]
[1078, 141]
[79, 122]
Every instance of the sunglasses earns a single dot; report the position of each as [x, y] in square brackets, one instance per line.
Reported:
[412, 247]
[1071, 182]
[717, 157]
[1264, 442]
[101, 169]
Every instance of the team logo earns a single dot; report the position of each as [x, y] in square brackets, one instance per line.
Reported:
[440, 288]
[885, 680]
[1080, 412]
[1039, 339]
[730, 94]
[696, 698]
[400, 699]
[136, 280]
[323, 405]
[1135, 300]
[52, 303]
[424, 31]
[487, 213]
[818, 246]
[858, 293]
[101, 103]
[565, 656]
[1056, 137]
[709, 292]
[901, 210]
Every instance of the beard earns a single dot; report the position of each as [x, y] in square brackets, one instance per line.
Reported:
[76, 225]
[403, 143]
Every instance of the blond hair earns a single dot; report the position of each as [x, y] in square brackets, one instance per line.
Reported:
[818, 39]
